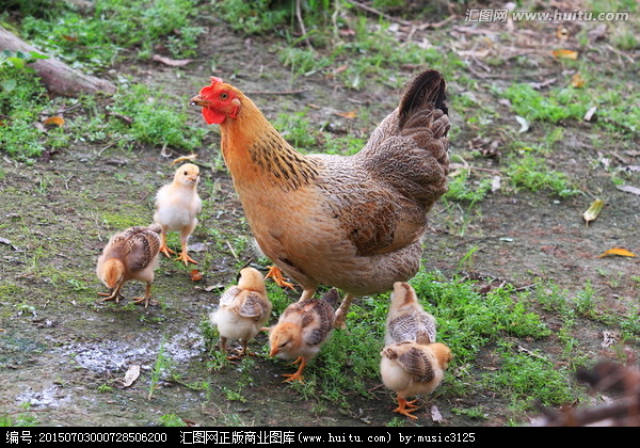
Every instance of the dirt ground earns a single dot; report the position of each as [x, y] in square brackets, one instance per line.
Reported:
[58, 346]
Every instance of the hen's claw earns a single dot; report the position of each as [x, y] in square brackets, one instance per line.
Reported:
[276, 274]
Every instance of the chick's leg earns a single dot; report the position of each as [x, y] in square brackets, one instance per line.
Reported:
[406, 408]
[276, 274]
[307, 294]
[297, 376]
[163, 243]
[146, 299]
[341, 312]
[184, 236]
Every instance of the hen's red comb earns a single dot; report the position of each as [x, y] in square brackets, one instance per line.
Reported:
[206, 90]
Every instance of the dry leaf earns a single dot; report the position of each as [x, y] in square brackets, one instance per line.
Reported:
[495, 183]
[577, 81]
[565, 54]
[131, 376]
[196, 275]
[524, 124]
[617, 251]
[69, 38]
[350, 115]
[54, 121]
[184, 158]
[340, 69]
[589, 114]
[629, 189]
[212, 287]
[436, 416]
[171, 62]
[593, 211]
[608, 339]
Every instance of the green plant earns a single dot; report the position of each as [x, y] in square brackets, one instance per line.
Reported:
[161, 366]
[171, 420]
[532, 173]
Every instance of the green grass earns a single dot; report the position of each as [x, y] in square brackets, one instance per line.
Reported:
[532, 173]
[461, 189]
[171, 420]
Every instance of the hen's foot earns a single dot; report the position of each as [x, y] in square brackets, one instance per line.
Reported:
[184, 256]
[276, 274]
[165, 250]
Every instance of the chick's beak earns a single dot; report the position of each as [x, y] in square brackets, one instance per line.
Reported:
[199, 101]
[274, 351]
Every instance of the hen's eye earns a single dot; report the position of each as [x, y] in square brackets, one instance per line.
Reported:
[223, 96]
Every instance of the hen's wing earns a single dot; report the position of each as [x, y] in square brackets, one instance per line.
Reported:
[140, 246]
[317, 321]
[416, 363]
[419, 327]
[381, 195]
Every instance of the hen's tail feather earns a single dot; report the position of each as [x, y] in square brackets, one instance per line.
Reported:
[428, 88]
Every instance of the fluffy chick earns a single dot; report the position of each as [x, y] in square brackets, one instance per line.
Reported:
[407, 320]
[130, 255]
[301, 330]
[177, 205]
[409, 369]
[243, 310]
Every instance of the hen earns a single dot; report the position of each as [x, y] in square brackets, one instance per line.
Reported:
[352, 222]
[409, 368]
[130, 255]
[301, 330]
[177, 205]
[243, 310]
[407, 321]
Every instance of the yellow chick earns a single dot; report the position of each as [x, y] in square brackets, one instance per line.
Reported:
[130, 255]
[177, 205]
[407, 320]
[301, 330]
[409, 369]
[243, 310]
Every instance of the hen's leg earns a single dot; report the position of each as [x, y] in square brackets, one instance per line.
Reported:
[184, 236]
[307, 294]
[276, 274]
[163, 243]
[341, 313]
[406, 408]
[115, 294]
[146, 298]
[297, 376]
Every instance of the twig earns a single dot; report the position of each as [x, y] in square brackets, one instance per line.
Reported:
[283, 92]
[379, 13]
[233, 252]
[302, 27]
[435, 26]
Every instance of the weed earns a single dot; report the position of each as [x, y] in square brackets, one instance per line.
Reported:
[461, 190]
[104, 388]
[532, 173]
[475, 412]
[171, 420]
[162, 365]
[296, 129]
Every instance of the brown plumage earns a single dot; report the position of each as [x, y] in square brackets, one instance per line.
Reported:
[407, 320]
[409, 369]
[351, 222]
[302, 329]
[130, 255]
[243, 310]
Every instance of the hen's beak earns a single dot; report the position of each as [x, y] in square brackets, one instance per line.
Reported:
[274, 351]
[199, 101]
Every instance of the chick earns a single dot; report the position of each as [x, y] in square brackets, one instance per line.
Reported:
[407, 320]
[301, 331]
[409, 368]
[130, 255]
[243, 311]
[177, 205]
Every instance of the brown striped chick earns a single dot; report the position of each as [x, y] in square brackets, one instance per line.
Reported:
[407, 320]
[243, 310]
[177, 205]
[301, 330]
[130, 255]
[410, 369]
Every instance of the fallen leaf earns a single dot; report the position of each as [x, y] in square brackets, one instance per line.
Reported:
[436, 416]
[340, 69]
[171, 62]
[130, 377]
[69, 38]
[197, 247]
[565, 54]
[54, 121]
[212, 287]
[589, 114]
[545, 83]
[350, 115]
[593, 211]
[196, 275]
[495, 183]
[617, 251]
[629, 189]
[184, 158]
[608, 339]
[347, 32]
[597, 33]
[524, 124]
[577, 81]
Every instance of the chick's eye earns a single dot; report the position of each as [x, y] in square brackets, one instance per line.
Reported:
[185, 173]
